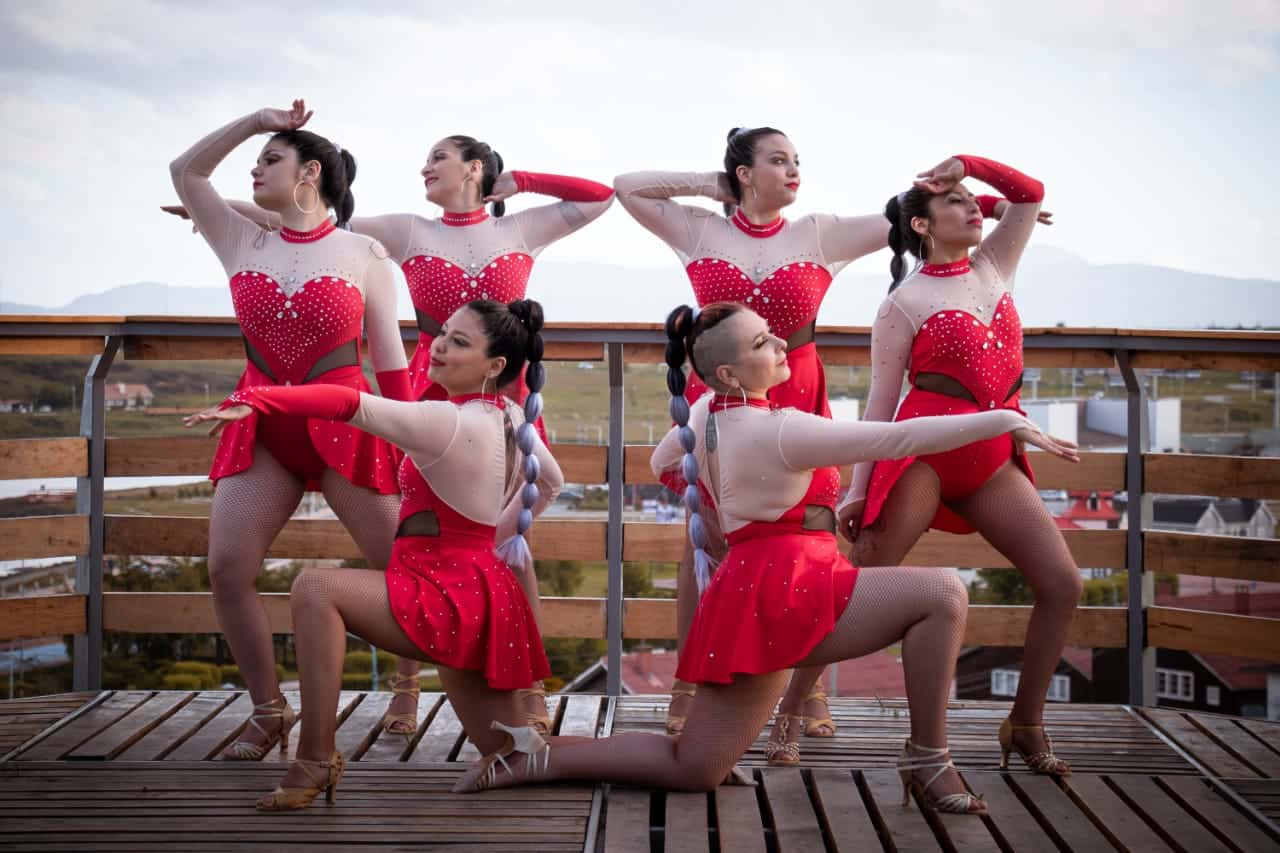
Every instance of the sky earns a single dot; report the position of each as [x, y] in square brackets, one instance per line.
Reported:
[1152, 124]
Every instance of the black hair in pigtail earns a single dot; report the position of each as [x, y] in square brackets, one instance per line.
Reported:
[679, 328]
[337, 170]
[900, 210]
[740, 150]
[470, 148]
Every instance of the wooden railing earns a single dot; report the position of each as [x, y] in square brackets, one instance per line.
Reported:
[1140, 627]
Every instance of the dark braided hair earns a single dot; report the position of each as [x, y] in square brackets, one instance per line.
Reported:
[470, 148]
[337, 170]
[683, 327]
[515, 332]
[900, 210]
[740, 150]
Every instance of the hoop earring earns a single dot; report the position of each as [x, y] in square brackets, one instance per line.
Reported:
[301, 209]
[495, 390]
[926, 249]
[744, 395]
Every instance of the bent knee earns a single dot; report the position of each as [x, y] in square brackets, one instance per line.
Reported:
[951, 595]
[310, 589]
[1062, 590]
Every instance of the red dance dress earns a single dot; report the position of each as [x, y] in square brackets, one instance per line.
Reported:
[461, 257]
[954, 330]
[448, 590]
[302, 300]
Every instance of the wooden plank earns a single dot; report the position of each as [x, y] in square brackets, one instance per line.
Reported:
[1168, 816]
[649, 618]
[35, 458]
[1100, 471]
[31, 345]
[85, 726]
[178, 727]
[216, 733]
[907, 827]
[581, 716]
[1226, 361]
[1224, 633]
[635, 464]
[319, 538]
[738, 823]
[44, 536]
[626, 821]
[1239, 742]
[1016, 826]
[390, 747]
[1204, 748]
[1267, 732]
[183, 348]
[685, 829]
[1212, 556]
[842, 811]
[795, 824]
[1195, 795]
[1123, 827]
[42, 616]
[1097, 549]
[1066, 357]
[1071, 824]
[347, 701]
[1221, 476]
[52, 714]
[121, 735]
[441, 738]
[364, 725]
[572, 617]
[159, 455]
[581, 463]
[1006, 625]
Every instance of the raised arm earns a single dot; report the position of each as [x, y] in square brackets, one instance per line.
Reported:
[891, 338]
[668, 453]
[809, 441]
[846, 238]
[647, 197]
[581, 201]
[382, 328]
[1005, 244]
[392, 230]
[220, 225]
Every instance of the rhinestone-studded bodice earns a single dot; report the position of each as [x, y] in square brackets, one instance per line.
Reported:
[440, 285]
[293, 326]
[985, 358]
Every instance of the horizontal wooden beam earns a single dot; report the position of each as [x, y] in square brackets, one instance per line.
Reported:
[1212, 556]
[41, 616]
[190, 348]
[51, 346]
[1222, 476]
[321, 539]
[1196, 360]
[1220, 633]
[35, 458]
[643, 618]
[44, 536]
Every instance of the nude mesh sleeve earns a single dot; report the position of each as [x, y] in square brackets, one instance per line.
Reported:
[647, 197]
[847, 238]
[382, 328]
[393, 230]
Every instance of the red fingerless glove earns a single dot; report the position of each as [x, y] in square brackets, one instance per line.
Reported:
[563, 187]
[1017, 187]
[328, 402]
[395, 385]
[987, 203]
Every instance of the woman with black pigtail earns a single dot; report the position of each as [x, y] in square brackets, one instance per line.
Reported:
[784, 596]
[475, 472]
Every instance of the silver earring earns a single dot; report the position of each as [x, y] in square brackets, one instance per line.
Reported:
[744, 394]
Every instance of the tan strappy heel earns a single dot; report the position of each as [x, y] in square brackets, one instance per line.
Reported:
[541, 723]
[291, 799]
[484, 773]
[783, 748]
[924, 758]
[403, 724]
[277, 709]
[675, 724]
[1045, 763]
[819, 726]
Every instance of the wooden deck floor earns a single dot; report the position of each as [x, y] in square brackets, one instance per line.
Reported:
[130, 770]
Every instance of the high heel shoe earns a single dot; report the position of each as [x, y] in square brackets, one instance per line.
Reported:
[403, 724]
[815, 726]
[1044, 763]
[290, 799]
[783, 748]
[924, 758]
[484, 773]
[675, 723]
[243, 750]
[541, 723]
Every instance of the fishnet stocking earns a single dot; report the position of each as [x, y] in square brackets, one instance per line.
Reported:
[1009, 513]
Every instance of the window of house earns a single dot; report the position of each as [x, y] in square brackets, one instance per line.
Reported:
[1004, 682]
[1213, 695]
[1060, 689]
[1175, 684]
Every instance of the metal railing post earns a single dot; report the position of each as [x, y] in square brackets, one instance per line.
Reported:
[86, 670]
[1141, 658]
[617, 494]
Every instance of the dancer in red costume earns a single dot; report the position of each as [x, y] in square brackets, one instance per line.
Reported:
[302, 295]
[781, 269]
[784, 595]
[447, 596]
[951, 327]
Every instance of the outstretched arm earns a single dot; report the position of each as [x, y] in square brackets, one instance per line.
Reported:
[647, 197]
[581, 201]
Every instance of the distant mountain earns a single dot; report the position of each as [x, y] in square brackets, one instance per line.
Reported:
[1054, 286]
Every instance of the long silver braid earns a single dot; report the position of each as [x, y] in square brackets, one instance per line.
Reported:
[678, 323]
[515, 550]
